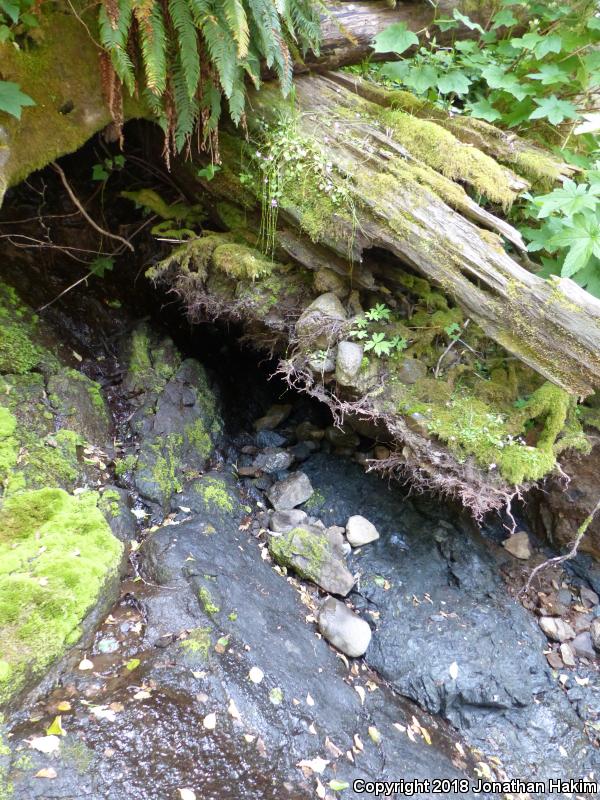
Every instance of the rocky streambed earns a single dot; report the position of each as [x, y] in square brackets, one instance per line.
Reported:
[244, 612]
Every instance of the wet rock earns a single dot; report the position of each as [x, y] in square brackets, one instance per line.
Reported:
[114, 504]
[303, 450]
[344, 629]
[343, 437]
[327, 281]
[274, 417]
[410, 371]
[518, 545]
[348, 362]
[582, 645]
[589, 597]
[268, 438]
[320, 319]
[360, 531]
[290, 492]
[80, 403]
[273, 460]
[567, 655]
[503, 697]
[322, 362]
[286, 521]
[595, 634]
[556, 629]
[306, 431]
[316, 555]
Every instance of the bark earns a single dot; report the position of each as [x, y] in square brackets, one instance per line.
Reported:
[553, 326]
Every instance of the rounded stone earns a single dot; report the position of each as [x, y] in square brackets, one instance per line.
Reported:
[344, 629]
[360, 531]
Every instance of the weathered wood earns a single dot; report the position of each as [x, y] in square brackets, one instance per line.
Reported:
[553, 326]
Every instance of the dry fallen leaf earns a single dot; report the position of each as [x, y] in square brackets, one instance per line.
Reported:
[142, 695]
[232, 710]
[210, 721]
[249, 738]
[453, 670]
[64, 706]
[46, 772]
[56, 727]
[102, 712]
[45, 744]
[309, 700]
[187, 794]
[374, 734]
[361, 693]
[321, 791]
[86, 664]
[313, 764]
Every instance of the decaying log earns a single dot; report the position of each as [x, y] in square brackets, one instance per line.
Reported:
[554, 327]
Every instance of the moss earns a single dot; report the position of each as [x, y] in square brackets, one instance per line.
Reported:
[9, 450]
[316, 500]
[19, 350]
[6, 786]
[197, 643]
[76, 753]
[238, 261]
[56, 554]
[110, 503]
[62, 75]
[215, 494]
[207, 602]
[199, 438]
[167, 465]
[125, 465]
[300, 549]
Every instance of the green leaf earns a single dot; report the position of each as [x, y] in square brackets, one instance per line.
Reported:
[483, 109]
[338, 786]
[208, 172]
[582, 238]
[12, 99]
[569, 200]
[421, 78]
[394, 39]
[11, 10]
[497, 78]
[101, 265]
[553, 109]
[99, 172]
[132, 664]
[454, 81]
[540, 45]
[467, 21]
[504, 18]
[446, 24]
[549, 74]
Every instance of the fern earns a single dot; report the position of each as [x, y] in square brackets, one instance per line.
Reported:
[194, 52]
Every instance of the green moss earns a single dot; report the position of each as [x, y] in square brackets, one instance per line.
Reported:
[238, 261]
[56, 554]
[8, 444]
[207, 602]
[215, 494]
[316, 500]
[76, 753]
[199, 438]
[300, 549]
[197, 643]
[165, 472]
[125, 465]
[6, 786]
[19, 350]
[110, 503]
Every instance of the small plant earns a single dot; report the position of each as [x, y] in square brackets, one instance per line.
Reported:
[103, 170]
[377, 341]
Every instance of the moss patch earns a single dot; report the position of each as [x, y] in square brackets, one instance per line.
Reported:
[302, 550]
[198, 643]
[56, 554]
[19, 349]
[215, 494]
[206, 600]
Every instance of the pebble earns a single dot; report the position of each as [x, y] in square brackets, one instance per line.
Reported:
[360, 531]
[582, 645]
[344, 629]
[556, 629]
[567, 655]
[518, 545]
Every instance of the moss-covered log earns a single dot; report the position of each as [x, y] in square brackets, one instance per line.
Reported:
[396, 183]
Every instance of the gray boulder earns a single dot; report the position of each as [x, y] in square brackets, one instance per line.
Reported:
[316, 322]
[290, 492]
[360, 531]
[349, 360]
[273, 459]
[286, 521]
[316, 555]
[343, 628]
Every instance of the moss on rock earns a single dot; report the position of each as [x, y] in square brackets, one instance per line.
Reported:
[57, 553]
[215, 494]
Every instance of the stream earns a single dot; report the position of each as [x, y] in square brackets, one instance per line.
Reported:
[203, 674]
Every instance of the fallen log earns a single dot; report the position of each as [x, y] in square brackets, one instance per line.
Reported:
[399, 202]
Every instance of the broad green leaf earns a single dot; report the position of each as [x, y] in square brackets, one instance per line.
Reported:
[422, 78]
[569, 200]
[10, 9]
[396, 70]
[454, 81]
[101, 265]
[593, 24]
[483, 109]
[549, 74]
[553, 109]
[497, 78]
[12, 99]
[589, 277]
[467, 21]
[538, 44]
[394, 39]
[582, 239]
[504, 18]
[446, 24]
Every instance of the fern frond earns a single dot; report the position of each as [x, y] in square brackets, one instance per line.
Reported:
[186, 108]
[153, 44]
[235, 15]
[187, 42]
[222, 51]
[114, 33]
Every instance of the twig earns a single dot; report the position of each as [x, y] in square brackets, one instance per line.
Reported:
[84, 213]
[567, 556]
[436, 371]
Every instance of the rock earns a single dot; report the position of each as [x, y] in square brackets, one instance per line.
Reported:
[327, 281]
[322, 362]
[286, 521]
[342, 437]
[553, 658]
[348, 362]
[567, 655]
[582, 622]
[306, 431]
[316, 555]
[595, 634]
[589, 597]
[272, 460]
[582, 645]
[303, 450]
[318, 321]
[518, 545]
[274, 417]
[344, 629]
[380, 452]
[290, 492]
[410, 371]
[556, 629]
[360, 531]
[269, 439]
